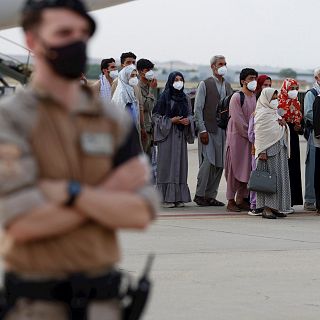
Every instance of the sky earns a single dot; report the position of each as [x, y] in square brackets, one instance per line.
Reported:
[277, 33]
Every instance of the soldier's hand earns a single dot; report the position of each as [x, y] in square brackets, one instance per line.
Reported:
[55, 190]
[129, 177]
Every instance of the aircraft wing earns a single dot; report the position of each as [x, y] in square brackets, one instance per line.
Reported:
[10, 10]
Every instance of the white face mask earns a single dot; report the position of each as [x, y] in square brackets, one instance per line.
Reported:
[293, 94]
[133, 82]
[114, 74]
[252, 85]
[274, 104]
[149, 75]
[222, 71]
[178, 85]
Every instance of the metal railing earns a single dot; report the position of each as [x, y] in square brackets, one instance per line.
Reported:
[13, 68]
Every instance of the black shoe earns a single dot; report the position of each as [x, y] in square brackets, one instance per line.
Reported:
[232, 207]
[255, 212]
[215, 203]
[201, 201]
[244, 206]
[280, 214]
[268, 214]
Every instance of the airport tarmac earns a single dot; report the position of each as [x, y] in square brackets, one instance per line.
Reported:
[214, 265]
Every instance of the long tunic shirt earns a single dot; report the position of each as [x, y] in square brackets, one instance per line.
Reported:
[214, 151]
[238, 160]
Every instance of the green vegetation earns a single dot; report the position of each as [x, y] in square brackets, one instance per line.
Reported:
[288, 73]
[93, 71]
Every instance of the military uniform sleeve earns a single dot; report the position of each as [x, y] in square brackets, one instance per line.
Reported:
[130, 148]
[18, 172]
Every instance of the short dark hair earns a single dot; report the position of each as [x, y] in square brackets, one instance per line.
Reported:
[31, 12]
[31, 19]
[105, 63]
[144, 64]
[126, 55]
[247, 72]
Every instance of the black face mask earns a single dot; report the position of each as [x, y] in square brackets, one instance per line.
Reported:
[68, 61]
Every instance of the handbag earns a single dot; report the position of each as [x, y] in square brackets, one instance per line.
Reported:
[262, 181]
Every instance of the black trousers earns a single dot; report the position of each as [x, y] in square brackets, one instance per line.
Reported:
[317, 178]
[295, 168]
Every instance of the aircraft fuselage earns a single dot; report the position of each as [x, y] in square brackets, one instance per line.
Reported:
[10, 10]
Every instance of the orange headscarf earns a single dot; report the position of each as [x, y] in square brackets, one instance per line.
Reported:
[291, 107]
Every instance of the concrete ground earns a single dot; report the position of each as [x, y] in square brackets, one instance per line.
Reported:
[213, 265]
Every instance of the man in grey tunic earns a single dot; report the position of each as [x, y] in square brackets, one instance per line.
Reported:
[211, 138]
[310, 197]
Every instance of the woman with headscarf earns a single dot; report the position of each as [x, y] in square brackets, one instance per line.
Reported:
[173, 129]
[263, 82]
[289, 107]
[124, 95]
[272, 149]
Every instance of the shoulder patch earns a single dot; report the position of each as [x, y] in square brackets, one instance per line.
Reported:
[10, 165]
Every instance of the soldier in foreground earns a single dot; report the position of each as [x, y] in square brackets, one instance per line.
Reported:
[71, 175]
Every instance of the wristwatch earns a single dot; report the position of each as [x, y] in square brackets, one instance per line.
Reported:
[74, 190]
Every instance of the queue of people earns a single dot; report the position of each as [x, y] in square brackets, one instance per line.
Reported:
[261, 133]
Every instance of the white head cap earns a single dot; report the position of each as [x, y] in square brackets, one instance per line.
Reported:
[214, 59]
[316, 72]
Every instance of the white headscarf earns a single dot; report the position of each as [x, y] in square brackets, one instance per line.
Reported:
[124, 93]
[266, 127]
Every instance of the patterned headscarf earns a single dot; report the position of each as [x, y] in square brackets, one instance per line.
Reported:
[291, 107]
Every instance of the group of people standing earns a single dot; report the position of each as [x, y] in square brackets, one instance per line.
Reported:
[262, 134]
[167, 122]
